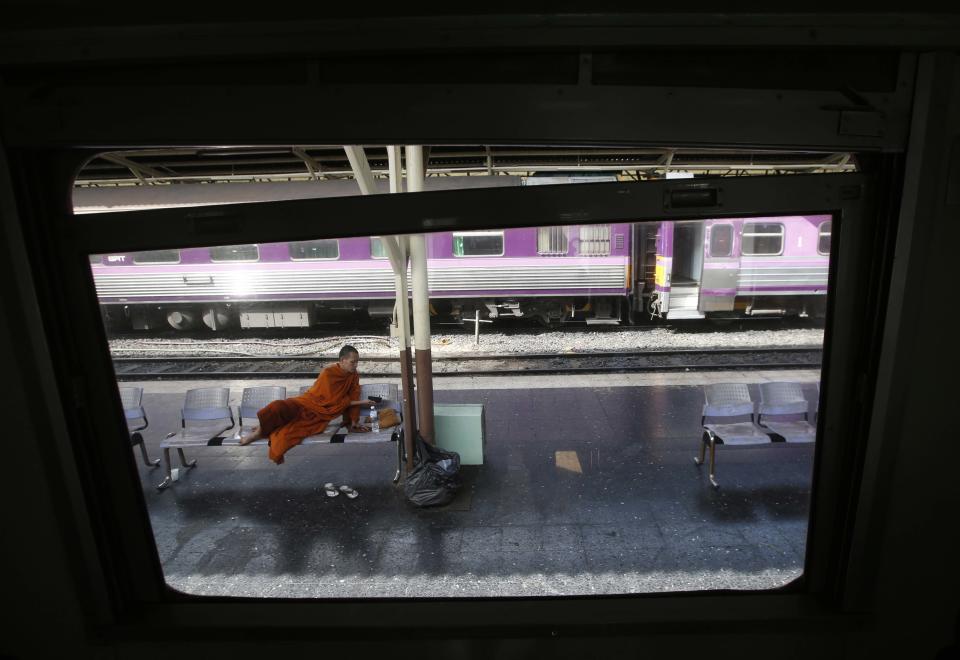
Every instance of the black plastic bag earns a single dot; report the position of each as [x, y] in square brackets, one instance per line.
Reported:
[435, 477]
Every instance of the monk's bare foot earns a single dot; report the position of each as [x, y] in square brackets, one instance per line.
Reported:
[246, 440]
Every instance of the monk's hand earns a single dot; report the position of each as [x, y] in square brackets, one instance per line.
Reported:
[360, 428]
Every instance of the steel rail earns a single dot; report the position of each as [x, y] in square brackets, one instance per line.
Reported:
[508, 364]
[481, 356]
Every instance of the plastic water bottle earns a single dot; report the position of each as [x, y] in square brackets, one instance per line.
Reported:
[374, 419]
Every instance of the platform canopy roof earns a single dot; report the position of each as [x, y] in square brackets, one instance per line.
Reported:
[295, 163]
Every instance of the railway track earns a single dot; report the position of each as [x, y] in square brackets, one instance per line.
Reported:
[277, 367]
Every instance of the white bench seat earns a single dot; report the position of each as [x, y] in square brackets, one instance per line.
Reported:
[739, 433]
[726, 406]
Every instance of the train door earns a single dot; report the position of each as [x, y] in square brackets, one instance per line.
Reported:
[721, 267]
[687, 270]
[645, 250]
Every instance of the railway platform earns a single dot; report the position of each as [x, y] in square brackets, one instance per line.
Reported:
[589, 487]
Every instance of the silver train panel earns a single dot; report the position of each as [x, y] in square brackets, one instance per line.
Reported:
[785, 276]
[240, 284]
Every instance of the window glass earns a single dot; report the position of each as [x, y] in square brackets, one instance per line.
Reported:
[320, 249]
[721, 240]
[96, 259]
[823, 240]
[478, 244]
[249, 252]
[552, 240]
[606, 538]
[762, 238]
[157, 257]
[569, 537]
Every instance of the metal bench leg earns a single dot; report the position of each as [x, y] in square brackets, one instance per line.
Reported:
[138, 439]
[146, 457]
[396, 477]
[166, 465]
[703, 449]
[713, 453]
[183, 459]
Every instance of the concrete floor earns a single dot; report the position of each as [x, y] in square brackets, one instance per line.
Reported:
[585, 490]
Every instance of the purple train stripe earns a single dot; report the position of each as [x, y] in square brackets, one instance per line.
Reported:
[807, 288]
[376, 264]
[520, 293]
[718, 292]
[727, 265]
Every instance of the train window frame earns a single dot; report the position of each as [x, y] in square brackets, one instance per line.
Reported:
[820, 235]
[782, 235]
[137, 262]
[233, 261]
[595, 253]
[375, 256]
[563, 232]
[484, 232]
[290, 245]
[722, 225]
[115, 493]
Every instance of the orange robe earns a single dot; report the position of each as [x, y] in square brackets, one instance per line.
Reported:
[289, 421]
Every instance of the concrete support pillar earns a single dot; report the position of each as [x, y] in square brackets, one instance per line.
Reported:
[421, 304]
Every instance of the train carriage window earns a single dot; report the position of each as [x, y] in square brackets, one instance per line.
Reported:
[721, 240]
[248, 252]
[762, 239]
[377, 250]
[314, 250]
[477, 243]
[552, 241]
[823, 239]
[595, 241]
[157, 257]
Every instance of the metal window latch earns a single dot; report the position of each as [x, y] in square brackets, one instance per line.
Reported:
[693, 196]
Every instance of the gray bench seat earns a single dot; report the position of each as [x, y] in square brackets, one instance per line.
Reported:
[206, 417]
[729, 418]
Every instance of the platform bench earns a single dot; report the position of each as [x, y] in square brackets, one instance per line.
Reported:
[782, 420]
[206, 417]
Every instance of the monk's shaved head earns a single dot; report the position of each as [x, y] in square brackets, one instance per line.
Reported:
[349, 358]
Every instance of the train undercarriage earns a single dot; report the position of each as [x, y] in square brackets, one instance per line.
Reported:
[607, 310]
[549, 313]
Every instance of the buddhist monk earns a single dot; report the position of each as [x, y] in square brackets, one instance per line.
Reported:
[288, 421]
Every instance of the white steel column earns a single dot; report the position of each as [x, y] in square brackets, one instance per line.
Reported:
[397, 250]
[421, 303]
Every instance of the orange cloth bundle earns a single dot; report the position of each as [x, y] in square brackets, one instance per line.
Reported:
[289, 421]
[388, 418]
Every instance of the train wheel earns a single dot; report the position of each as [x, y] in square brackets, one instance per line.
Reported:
[181, 319]
[216, 318]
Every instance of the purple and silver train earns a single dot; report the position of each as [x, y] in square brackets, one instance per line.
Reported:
[598, 274]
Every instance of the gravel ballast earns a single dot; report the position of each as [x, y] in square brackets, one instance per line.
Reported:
[491, 342]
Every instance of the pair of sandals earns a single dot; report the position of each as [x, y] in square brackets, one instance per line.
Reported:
[333, 491]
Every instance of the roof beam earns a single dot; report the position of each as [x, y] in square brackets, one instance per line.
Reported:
[312, 166]
[361, 168]
[136, 169]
